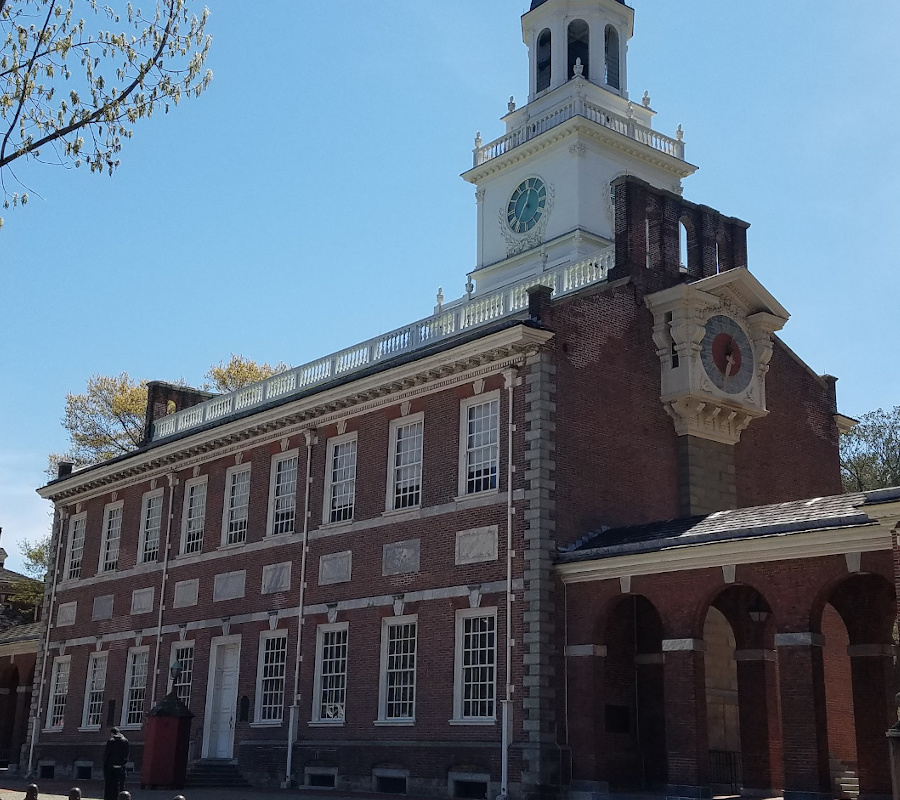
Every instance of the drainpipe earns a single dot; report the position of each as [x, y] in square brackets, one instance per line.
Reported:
[295, 707]
[173, 482]
[509, 382]
[35, 720]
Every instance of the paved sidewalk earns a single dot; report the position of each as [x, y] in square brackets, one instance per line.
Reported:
[13, 788]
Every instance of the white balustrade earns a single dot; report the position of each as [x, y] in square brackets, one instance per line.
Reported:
[608, 119]
[471, 313]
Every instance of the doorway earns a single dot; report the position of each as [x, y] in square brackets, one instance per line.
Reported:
[221, 706]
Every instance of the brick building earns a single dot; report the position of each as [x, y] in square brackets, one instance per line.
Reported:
[498, 549]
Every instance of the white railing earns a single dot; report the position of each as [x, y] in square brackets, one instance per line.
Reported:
[577, 107]
[469, 314]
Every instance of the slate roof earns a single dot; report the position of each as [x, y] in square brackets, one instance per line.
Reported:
[818, 513]
[7, 576]
[21, 633]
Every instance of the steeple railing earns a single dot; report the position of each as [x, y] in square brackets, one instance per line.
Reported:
[579, 107]
[470, 313]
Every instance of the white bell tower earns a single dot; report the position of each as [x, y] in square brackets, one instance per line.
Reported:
[543, 188]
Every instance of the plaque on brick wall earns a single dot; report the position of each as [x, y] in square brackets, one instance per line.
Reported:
[476, 545]
[229, 585]
[401, 558]
[335, 568]
[276, 578]
[186, 593]
[103, 608]
[65, 614]
[142, 601]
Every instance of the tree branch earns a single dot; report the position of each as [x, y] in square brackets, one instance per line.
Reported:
[100, 112]
[24, 95]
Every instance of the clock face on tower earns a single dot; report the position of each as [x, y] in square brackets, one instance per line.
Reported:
[526, 205]
[727, 355]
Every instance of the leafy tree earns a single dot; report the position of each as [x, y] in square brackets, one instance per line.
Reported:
[37, 563]
[870, 452]
[72, 90]
[107, 420]
[240, 372]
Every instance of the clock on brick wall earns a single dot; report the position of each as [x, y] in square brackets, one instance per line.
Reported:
[714, 342]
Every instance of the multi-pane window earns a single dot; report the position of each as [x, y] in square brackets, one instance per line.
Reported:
[476, 665]
[112, 532]
[341, 480]
[270, 678]
[76, 547]
[331, 674]
[93, 690]
[237, 507]
[405, 471]
[398, 669]
[184, 655]
[59, 693]
[151, 523]
[283, 495]
[481, 446]
[194, 517]
[135, 687]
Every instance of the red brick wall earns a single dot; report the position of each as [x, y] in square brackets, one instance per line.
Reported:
[838, 689]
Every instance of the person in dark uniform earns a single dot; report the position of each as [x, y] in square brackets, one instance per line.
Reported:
[115, 757]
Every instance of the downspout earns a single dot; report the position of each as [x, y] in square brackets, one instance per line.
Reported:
[173, 482]
[295, 707]
[35, 720]
[509, 382]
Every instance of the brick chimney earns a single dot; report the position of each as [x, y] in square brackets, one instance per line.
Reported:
[161, 394]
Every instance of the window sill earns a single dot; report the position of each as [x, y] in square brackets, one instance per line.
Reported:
[394, 723]
[274, 723]
[326, 723]
[234, 546]
[412, 512]
[328, 526]
[89, 729]
[51, 730]
[483, 723]
[130, 727]
[476, 495]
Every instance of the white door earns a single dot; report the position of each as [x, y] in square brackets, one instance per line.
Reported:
[224, 701]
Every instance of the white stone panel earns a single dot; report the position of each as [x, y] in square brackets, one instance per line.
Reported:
[335, 568]
[186, 593]
[276, 578]
[103, 608]
[229, 585]
[65, 614]
[401, 558]
[142, 601]
[477, 545]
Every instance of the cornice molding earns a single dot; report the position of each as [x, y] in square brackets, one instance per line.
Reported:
[464, 363]
[758, 550]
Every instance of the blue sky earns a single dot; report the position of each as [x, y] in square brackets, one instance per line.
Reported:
[311, 199]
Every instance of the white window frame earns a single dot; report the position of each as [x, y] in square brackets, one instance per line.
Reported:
[386, 624]
[127, 697]
[54, 693]
[104, 538]
[465, 405]
[188, 485]
[267, 636]
[390, 500]
[321, 631]
[173, 654]
[227, 508]
[70, 549]
[462, 615]
[93, 659]
[142, 539]
[329, 477]
[276, 460]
